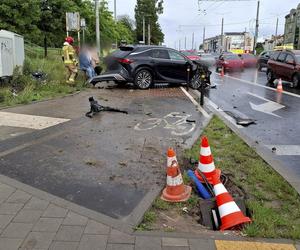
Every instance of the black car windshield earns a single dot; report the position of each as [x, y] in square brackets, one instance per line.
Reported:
[231, 57]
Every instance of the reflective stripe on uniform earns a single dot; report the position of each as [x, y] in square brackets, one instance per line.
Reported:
[205, 151]
[206, 168]
[228, 208]
[219, 189]
[174, 181]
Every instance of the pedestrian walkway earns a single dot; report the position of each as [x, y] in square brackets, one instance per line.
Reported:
[32, 219]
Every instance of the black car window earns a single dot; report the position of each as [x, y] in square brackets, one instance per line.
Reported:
[176, 56]
[289, 58]
[281, 57]
[160, 53]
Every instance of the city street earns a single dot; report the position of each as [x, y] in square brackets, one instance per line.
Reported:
[247, 95]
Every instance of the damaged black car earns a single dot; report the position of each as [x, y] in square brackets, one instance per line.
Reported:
[147, 65]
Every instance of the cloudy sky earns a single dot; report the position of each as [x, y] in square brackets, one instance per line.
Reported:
[183, 17]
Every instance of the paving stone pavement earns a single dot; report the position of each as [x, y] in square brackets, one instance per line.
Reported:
[28, 222]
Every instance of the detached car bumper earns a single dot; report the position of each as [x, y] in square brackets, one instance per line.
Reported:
[120, 75]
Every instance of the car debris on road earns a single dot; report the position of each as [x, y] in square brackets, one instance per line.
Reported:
[96, 108]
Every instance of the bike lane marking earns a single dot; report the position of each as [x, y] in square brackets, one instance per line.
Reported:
[205, 114]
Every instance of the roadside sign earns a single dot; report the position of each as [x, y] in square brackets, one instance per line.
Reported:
[72, 21]
[82, 23]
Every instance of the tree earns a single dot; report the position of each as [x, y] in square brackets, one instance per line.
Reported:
[35, 18]
[150, 9]
[21, 17]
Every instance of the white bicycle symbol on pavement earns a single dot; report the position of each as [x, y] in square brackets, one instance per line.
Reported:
[174, 121]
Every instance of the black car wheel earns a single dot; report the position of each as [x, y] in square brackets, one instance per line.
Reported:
[143, 79]
[296, 81]
[195, 82]
[270, 76]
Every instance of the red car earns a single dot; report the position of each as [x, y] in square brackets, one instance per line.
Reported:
[249, 60]
[285, 65]
[229, 62]
[191, 54]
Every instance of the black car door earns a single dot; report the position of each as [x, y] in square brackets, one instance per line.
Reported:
[160, 62]
[179, 66]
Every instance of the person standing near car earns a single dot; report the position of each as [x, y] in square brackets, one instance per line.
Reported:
[85, 62]
[69, 59]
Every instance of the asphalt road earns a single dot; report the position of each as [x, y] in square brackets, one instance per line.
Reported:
[276, 114]
[108, 164]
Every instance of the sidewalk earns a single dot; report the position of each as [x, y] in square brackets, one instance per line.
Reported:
[32, 219]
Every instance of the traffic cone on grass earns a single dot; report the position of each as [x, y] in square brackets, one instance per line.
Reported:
[279, 85]
[230, 213]
[206, 163]
[175, 190]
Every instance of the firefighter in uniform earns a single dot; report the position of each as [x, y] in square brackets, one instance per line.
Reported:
[69, 59]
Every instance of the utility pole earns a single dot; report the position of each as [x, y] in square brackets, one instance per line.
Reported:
[97, 26]
[185, 42]
[203, 37]
[276, 31]
[256, 27]
[149, 33]
[193, 40]
[179, 45]
[222, 35]
[144, 30]
[115, 9]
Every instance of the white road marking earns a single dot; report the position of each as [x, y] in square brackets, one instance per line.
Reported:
[285, 149]
[259, 85]
[28, 121]
[269, 107]
[218, 109]
[195, 102]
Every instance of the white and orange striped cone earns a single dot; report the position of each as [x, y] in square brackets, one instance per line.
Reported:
[279, 86]
[206, 163]
[171, 157]
[175, 190]
[230, 213]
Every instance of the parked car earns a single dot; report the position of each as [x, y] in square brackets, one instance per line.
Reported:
[285, 65]
[263, 58]
[207, 59]
[229, 62]
[249, 60]
[145, 65]
[191, 54]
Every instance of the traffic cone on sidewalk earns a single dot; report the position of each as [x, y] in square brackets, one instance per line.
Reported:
[230, 213]
[206, 163]
[175, 190]
[279, 85]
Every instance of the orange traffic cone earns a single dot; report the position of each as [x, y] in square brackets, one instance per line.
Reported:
[222, 72]
[171, 156]
[175, 190]
[206, 163]
[279, 85]
[230, 213]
